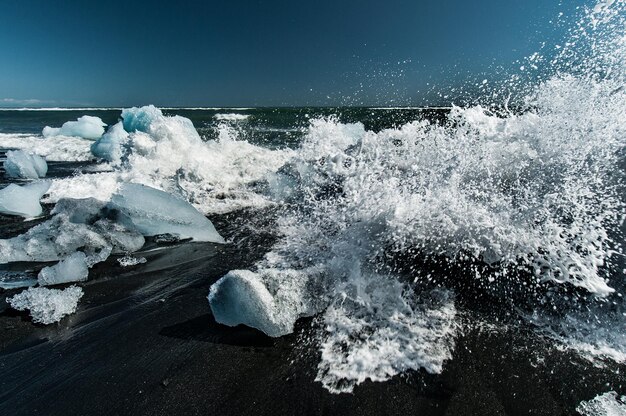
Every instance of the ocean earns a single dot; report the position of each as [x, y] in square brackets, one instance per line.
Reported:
[457, 260]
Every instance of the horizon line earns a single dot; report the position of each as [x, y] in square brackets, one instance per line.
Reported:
[100, 108]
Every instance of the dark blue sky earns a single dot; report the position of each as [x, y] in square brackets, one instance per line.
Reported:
[259, 53]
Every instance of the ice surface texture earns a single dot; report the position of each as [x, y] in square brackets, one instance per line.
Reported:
[151, 212]
[87, 127]
[110, 146]
[24, 165]
[73, 268]
[47, 306]
[23, 200]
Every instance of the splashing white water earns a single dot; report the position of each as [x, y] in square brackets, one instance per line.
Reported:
[527, 200]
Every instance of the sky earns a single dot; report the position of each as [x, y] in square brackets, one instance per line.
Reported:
[261, 53]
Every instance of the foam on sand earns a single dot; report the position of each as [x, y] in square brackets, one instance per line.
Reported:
[47, 306]
[607, 404]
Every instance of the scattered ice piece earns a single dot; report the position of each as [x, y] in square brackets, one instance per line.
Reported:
[87, 127]
[607, 404]
[73, 268]
[151, 211]
[110, 146]
[129, 261]
[25, 165]
[47, 306]
[23, 200]
[270, 301]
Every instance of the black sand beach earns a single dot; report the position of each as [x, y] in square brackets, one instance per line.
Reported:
[143, 342]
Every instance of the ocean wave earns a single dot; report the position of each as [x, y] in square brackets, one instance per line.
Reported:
[231, 117]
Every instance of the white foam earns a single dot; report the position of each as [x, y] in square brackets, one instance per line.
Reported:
[47, 306]
[533, 195]
[376, 329]
[231, 117]
[607, 404]
[58, 148]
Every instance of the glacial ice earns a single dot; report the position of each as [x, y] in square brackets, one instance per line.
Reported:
[87, 127]
[243, 297]
[75, 225]
[73, 268]
[151, 212]
[25, 165]
[47, 306]
[23, 200]
[110, 146]
[140, 118]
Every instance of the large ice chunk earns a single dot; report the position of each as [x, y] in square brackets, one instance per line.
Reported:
[73, 268]
[21, 164]
[153, 212]
[47, 306]
[270, 300]
[87, 127]
[23, 200]
[140, 118]
[110, 147]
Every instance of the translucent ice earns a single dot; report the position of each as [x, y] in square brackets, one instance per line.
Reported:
[151, 212]
[271, 301]
[73, 268]
[47, 306]
[23, 200]
[21, 164]
[87, 127]
[110, 146]
[140, 118]
[76, 224]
